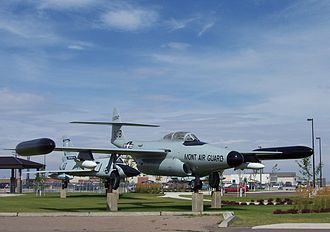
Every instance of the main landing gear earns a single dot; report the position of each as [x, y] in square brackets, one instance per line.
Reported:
[112, 183]
[65, 184]
[214, 182]
[196, 184]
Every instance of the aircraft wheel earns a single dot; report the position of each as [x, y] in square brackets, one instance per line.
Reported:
[214, 180]
[114, 180]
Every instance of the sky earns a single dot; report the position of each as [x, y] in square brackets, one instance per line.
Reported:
[238, 74]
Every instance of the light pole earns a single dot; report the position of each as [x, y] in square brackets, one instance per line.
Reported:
[319, 139]
[312, 120]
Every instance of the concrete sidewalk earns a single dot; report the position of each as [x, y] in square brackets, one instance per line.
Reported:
[311, 226]
[176, 195]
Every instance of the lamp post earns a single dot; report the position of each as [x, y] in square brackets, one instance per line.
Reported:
[319, 139]
[312, 120]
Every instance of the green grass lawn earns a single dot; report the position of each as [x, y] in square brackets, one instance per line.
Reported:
[134, 202]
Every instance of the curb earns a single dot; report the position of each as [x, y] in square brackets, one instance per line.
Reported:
[105, 214]
[227, 216]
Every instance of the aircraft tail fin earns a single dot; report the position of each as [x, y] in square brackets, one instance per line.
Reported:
[68, 155]
[117, 135]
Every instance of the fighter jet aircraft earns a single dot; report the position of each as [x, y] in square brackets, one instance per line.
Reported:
[84, 164]
[177, 154]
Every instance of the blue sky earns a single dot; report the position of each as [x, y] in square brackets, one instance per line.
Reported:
[240, 74]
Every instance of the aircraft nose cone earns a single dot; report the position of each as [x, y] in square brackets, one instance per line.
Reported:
[234, 159]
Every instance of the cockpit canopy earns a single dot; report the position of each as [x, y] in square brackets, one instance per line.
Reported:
[187, 138]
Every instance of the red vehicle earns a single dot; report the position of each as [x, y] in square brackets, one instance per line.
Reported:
[234, 188]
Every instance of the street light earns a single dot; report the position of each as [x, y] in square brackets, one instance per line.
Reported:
[319, 138]
[312, 120]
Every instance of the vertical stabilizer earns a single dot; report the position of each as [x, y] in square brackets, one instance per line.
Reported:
[68, 155]
[117, 137]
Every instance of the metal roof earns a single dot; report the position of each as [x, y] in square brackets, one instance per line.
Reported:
[9, 162]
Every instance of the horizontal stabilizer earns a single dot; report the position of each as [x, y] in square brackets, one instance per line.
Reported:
[115, 123]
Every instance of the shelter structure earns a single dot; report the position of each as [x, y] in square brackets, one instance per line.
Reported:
[14, 163]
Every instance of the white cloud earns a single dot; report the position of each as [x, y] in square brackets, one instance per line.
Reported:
[174, 24]
[176, 45]
[205, 28]
[11, 100]
[129, 18]
[80, 45]
[66, 4]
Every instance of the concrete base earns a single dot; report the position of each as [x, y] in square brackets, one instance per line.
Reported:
[63, 193]
[197, 202]
[216, 200]
[112, 201]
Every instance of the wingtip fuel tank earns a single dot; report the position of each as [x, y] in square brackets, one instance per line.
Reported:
[40, 146]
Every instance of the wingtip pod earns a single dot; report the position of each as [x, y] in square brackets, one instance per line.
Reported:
[291, 152]
[40, 146]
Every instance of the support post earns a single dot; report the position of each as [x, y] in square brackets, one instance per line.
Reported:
[19, 187]
[197, 202]
[63, 193]
[12, 181]
[216, 200]
[112, 201]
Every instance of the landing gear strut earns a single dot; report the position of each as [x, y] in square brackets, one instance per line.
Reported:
[65, 184]
[196, 184]
[214, 180]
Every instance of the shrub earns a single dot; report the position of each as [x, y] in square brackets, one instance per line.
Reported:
[278, 211]
[292, 211]
[306, 211]
[278, 200]
[148, 188]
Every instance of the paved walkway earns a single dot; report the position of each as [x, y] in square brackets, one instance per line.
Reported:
[312, 226]
[176, 195]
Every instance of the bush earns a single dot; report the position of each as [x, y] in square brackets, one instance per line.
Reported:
[148, 188]
[292, 211]
[278, 211]
[306, 211]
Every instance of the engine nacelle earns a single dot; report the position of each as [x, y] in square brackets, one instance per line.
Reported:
[166, 167]
[174, 167]
[234, 159]
[249, 165]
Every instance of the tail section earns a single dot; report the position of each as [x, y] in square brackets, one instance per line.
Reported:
[68, 155]
[117, 135]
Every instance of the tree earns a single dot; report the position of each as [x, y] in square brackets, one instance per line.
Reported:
[305, 169]
[305, 166]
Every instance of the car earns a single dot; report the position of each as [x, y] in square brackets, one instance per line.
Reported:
[235, 188]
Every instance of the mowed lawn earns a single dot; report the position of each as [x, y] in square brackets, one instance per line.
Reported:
[137, 202]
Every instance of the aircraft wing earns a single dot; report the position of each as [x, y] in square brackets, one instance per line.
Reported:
[135, 153]
[278, 153]
[72, 171]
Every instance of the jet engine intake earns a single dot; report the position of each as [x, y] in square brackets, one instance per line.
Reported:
[234, 159]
